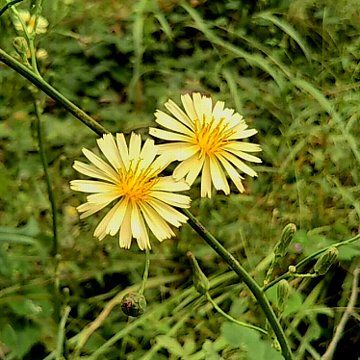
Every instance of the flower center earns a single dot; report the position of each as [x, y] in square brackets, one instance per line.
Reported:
[136, 184]
[210, 137]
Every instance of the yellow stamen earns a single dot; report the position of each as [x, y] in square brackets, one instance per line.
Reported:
[210, 138]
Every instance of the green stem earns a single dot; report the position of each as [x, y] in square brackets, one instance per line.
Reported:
[230, 318]
[309, 258]
[248, 280]
[146, 271]
[55, 244]
[53, 93]
[8, 5]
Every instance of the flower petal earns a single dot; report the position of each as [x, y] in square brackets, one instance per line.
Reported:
[167, 135]
[91, 186]
[234, 175]
[206, 179]
[125, 234]
[168, 183]
[189, 106]
[178, 151]
[156, 223]
[239, 164]
[171, 215]
[115, 223]
[101, 164]
[108, 147]
[134, 146]
[91, 170]
[179, 114]
[169, 122]
[123, 149]
[178, 200]
[138, 228]
[218, 177]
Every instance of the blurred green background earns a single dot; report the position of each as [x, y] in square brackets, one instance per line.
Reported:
[291, 68]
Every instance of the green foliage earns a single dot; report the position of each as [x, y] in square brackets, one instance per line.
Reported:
[290, 67]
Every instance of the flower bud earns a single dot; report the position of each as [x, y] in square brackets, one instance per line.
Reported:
[201, 282]
[325, 261]
[287, 235]
[283, 291]
[20, 45]
[133, 304]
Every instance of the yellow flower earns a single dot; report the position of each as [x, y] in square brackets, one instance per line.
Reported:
[206, 138]
[29, 21]
[131, 179]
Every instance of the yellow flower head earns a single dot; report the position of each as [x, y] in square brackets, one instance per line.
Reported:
[29, 21]
[206, 139]
[131, 178]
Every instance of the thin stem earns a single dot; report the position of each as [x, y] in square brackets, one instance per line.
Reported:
[50, 192]
[53, 93]
[146, 271]
[61, 334]
[55, 244]
[230, 318]
[329, 354]
[246, 277]
[8, 5]
[309, 258]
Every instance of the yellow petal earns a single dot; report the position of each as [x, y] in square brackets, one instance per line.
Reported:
[184, 168]
[101, 164]
[125, 234]
[179, 114]
[167, 135]
[243, 146]
[242, 134]
[168, 183]
[239, 164]
[178, 200]
[115, 223]
[100, 231]
[189, 106]
[91, 170]
[134, 146]
[91, 186]
[244, 155]
[108, 147]
[88, 209]
[178, 151]
[234, 175]
[103, 197]
[207, 108]
[156, 223]
[148, 153]
[206, 179]
[218, 177]
[197, 101]
[123, 149]
[169, 122]
[195, 169]
[138, 228]
[167, 212]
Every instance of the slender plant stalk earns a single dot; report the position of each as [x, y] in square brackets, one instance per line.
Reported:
[309, 258]
[53, 93]
[230, 318]
[8, 5]
[146, 271]
[55, 244]
[49, 188]
[61, 334]
[248, 280]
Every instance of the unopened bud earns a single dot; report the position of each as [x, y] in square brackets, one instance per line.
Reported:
[325, 261]
[292, 269]
[21, 47]
[133, 304]
[283, 291]
[287, 235]
[201, 282]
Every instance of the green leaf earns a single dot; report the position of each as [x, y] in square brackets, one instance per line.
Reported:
[248, 339]
[170, 344]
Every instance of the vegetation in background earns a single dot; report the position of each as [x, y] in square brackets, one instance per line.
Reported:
[291, 69]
